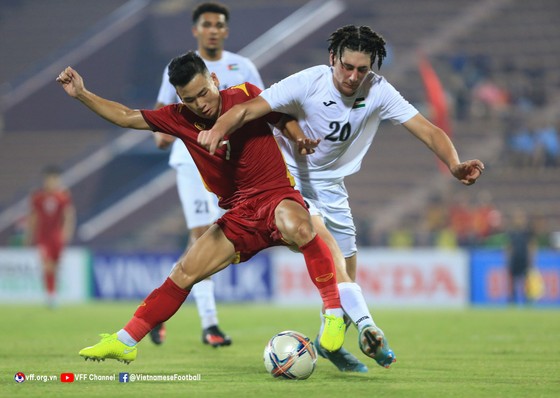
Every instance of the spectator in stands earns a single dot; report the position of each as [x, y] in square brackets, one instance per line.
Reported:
[460, 219]
[547, 144]
[521, 145]
[486, 218]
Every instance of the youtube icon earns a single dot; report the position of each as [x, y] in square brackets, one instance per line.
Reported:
[67, 377]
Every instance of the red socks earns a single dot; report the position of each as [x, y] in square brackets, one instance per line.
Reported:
[158, 307]
[50, 282]
[320, 266]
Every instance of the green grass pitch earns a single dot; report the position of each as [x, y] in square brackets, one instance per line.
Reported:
[441, 353]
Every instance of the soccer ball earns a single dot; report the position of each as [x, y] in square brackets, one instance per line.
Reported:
[290, 355]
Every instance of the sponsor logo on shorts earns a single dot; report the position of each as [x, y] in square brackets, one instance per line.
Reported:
[325, 277]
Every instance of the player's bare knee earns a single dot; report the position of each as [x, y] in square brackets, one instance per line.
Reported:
[180, 276]
[303, 233]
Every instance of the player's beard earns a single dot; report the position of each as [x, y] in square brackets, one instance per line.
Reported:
[212, 51]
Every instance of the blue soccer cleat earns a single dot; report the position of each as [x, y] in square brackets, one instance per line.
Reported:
[373, 343]
[342, 359]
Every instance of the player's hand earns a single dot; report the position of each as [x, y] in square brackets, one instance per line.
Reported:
[71, 82]
[163, 141]
[306, 146]
[211, 140]
[468, 172]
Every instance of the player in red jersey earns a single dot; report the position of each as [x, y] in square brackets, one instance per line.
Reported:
[51, 224]
[249, 176]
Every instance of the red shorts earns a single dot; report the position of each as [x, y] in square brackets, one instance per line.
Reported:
[50, 250]
[251, 226]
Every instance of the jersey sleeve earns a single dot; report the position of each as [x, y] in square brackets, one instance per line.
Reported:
[166, 94]
[286, 95]
[394, 107]
[162, 119]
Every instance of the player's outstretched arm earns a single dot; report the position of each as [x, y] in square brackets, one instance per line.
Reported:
[162, 140]
[232, 120]
[112, 111]
[438, 141]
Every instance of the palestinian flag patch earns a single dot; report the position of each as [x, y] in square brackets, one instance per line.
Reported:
[359, 103]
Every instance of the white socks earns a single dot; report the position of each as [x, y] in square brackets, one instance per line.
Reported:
[354, 304]
[125, 338]
[203, 293]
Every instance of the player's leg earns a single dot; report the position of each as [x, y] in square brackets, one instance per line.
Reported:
[342, 359]
[49, 255]
[294, 223]
[203, 293]
[210, 254]
[371, 339]
[200, 209]
[337, 221]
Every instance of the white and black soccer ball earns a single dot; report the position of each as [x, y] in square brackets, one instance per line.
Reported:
[290, 355]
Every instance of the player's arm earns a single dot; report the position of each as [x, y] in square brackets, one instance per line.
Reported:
[290, 128]
[435, 138]
[232, 120]
[69, 223]
[112, 111]
[30, 227]
[163, 141]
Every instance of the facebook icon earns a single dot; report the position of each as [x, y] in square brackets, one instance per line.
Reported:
[123, 377]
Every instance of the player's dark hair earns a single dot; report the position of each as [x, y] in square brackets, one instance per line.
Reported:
[184, 68]
[214, 7]
[52, 169]
[361, 39]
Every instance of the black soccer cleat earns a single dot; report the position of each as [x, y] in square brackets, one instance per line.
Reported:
[215, 337]
[157, 334]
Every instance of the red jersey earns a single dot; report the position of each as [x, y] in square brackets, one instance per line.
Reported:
[49, 208]
[250, 164]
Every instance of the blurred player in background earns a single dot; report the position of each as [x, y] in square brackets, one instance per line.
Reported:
[342, 105]
[521, 248]
[200, 207]
[51, 224]
[251, 179]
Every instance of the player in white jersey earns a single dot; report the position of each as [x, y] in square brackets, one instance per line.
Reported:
[341, 106]
[200, 207]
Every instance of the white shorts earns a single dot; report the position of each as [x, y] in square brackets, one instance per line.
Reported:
[329, 199]
[200, 207]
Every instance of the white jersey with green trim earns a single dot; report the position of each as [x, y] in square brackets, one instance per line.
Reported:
[345, 125]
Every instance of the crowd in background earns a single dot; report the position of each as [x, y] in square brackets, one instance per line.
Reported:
[453, 221]
[512, 94]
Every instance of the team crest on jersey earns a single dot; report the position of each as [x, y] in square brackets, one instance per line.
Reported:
[359, 103]
[199, 126]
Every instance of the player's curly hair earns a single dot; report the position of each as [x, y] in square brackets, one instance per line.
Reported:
[184, 68]
[214, 7]
[361, 39]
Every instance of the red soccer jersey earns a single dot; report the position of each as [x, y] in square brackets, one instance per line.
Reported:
[251, 163]
[49, 208]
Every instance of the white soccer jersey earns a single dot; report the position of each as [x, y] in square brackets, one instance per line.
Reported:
[232, 69]
[345, 125]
